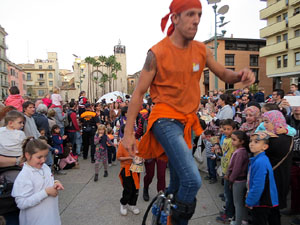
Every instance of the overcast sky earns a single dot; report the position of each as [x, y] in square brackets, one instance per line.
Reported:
[93, 27]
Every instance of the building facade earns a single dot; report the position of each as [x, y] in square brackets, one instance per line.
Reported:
[236, 54]
[282, 34]
[3, 65]
[42, 76]
[16, 77]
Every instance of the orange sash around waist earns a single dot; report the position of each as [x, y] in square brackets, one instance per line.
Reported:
[149, 147]
[135, 176]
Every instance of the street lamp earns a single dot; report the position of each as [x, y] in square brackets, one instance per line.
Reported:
[223, 10]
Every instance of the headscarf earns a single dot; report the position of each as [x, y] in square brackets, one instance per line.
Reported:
[276, 118]
[249, 128]
[178, 6]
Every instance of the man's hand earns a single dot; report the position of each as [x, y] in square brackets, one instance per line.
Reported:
[246, 77]
[129, 144]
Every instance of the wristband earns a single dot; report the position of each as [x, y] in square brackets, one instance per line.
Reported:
[18, 161]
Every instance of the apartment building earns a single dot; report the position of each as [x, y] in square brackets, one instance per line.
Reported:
[236, 54]
[16, 77]
[42, 76]
[282, 34]
[3, 65]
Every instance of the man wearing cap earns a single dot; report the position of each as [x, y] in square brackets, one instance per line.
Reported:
[173, 69]
[89, 122]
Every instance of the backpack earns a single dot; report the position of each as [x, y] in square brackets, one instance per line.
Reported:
[68, 120]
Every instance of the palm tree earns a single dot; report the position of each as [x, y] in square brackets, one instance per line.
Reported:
[112, 68]
[96, 79]
[89, 60]
[102, 60]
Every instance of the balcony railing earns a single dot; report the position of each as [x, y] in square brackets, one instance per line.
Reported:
[3, 70]
[273, 29]
[294, 2]
[295, 20]
[273, 49]
[4, 84]
[294, 43]
[273, 9]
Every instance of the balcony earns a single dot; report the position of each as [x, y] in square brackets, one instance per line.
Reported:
[273, 49]
[273, 9]
[294, 2]
[3, 70]
[4, 84]
[294, 43]
[273, 29]
[295, 20]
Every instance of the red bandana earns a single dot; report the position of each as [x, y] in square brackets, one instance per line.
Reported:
[178, 6]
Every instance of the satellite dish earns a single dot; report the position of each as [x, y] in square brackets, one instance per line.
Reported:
[213, 1]
[223, 10]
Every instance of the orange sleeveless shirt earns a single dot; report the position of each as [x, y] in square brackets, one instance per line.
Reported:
[176, 92]
[176, 82]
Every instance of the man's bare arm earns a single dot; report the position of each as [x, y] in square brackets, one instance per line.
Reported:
[146, 77]
[245, 76]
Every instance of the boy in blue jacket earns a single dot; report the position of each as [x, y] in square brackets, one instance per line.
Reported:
[262, 193]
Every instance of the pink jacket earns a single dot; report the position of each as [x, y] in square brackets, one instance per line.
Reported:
[47, 101]
[63, 162]
[16, 101]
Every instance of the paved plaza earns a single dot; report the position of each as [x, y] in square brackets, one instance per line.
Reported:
[85, 202]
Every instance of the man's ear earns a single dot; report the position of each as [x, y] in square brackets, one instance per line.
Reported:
[266, 146]
[174, 18]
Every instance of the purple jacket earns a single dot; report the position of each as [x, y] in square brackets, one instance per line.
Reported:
[237, 170]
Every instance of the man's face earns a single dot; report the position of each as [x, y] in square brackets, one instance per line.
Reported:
[274, 95]
[29, 110]
[245, 100]
[296, 110]
[293, 88]
[187, 22]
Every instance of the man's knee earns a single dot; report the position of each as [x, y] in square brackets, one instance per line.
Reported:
[182, 211]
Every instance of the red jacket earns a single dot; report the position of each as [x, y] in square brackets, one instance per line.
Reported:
[16, 101]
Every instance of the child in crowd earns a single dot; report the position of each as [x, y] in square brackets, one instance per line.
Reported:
[56, 99]
[15, 99]
[67, 161]
[211, 157]
[111, 149]
[57, 141]
[35, 190]
[49, 160]
[237, 174]
[101, 140]
[130, 181]
[228, 126]
[262, 193]
[11, 136]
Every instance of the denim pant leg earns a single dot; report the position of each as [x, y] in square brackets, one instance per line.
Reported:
[183, 170]
[78, 141]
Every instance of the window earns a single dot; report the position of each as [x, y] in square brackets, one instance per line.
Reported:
[41, 76]
[229, 86]
[50, 83]
[41, 92]
[285, 37]
[285, 60]
[297, 58]
[13, 83]
[278, 39]
[206, 77]
[40, 67]
[50, 67]
[229, 45]
[254, 60]
[278, 18]
[297, 11]
[50, 75]
[278, 61]
[41, 83]
[285, 16]
[297, 33]
[241, 46]
[28, 76]
[253, 47]
[229, 60]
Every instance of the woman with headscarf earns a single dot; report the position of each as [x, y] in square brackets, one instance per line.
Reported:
[280, 158]
[252, 120]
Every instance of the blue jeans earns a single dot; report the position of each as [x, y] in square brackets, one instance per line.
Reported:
[211, 165]
[78, 142]
[185, 180]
